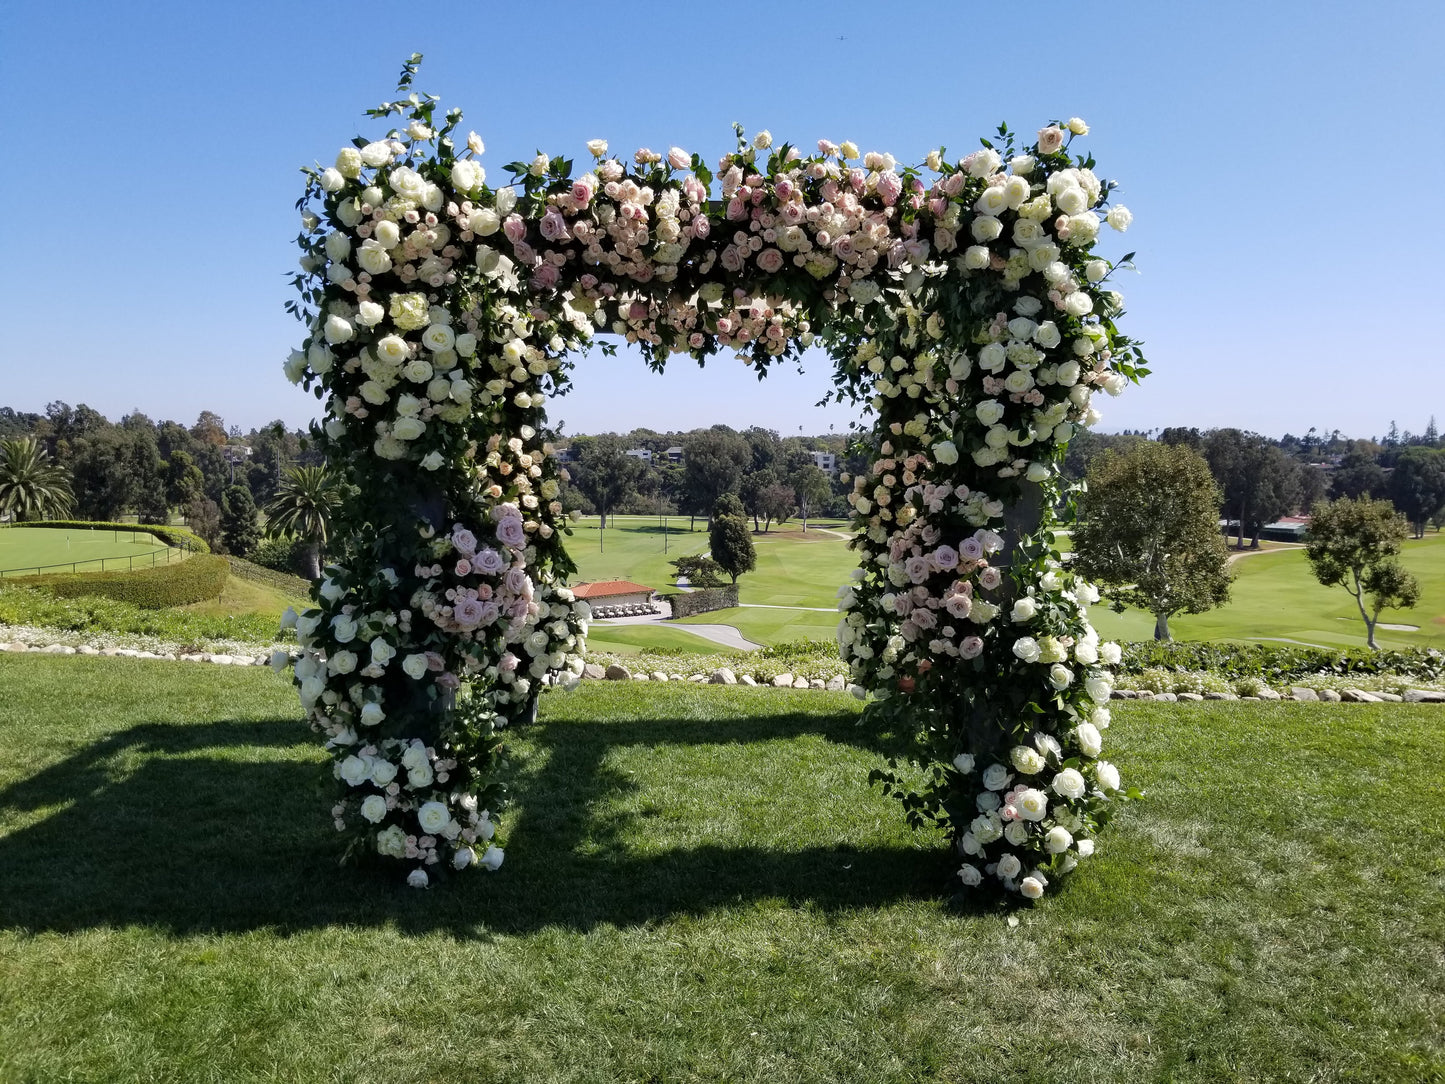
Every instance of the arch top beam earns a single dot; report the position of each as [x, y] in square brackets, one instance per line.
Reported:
[962, 302]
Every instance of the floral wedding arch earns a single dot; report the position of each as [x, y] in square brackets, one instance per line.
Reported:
[962, 302]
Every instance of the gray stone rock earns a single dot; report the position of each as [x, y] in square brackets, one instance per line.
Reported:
[617, 672]
[747, 679]
[110, 651]
[1424, 696]
[1220, 696]
[722, 676]
[1123, 694]
[594, 671]
[1169, 697]
[1329, 696]
[86, 649]
[782, 681]
[1144, 694]
[16, 645]
[1192, 697]
[697, 677]
[658, 675]
[800, 683]
[1392, 698]
[639, 676]
[1358, 696]
[816, 683]
[837, 683]
[1303, 692]
[55, 649]
[1266, 693]
[223, 660]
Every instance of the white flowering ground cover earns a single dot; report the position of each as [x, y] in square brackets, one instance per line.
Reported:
[170, 907]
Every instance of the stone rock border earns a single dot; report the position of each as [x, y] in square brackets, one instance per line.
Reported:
[723, 676]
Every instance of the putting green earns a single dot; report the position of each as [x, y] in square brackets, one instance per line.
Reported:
[23, 550]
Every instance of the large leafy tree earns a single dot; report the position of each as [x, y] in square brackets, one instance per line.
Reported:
[604, 473]
[1259, 481]
[715, 461]
[1417, 486]
[813, 488]
[304, 505]
[1358, 475]
[729, 540]
[1356, 545]
[1149, 529]
[31, 486]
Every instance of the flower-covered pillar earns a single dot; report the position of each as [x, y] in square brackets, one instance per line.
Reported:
[962, 304]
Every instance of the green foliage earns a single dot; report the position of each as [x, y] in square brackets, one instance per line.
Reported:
[1417, 486]
[704, 601]
[104, 617]
[604, 473]
[31, 486]
[203, 516]
[731, 544]
[1149, 528]
[192, 580]
[283, 581]
[1356, 544]
[179, 537]
[280, 554]
[699, 570]
[240, 526]
[1278, 663]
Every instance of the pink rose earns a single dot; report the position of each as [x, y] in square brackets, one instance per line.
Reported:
[553, 227]
[467, 613]
[678, 158]
[971, 648]
[545, 277]
[890, 187]
[515, 228]
[488, 561]
[582, 192]
[464, 541]
[464, 567]
[770, 260]
[990, 578]
[507, 663]
[510, 532]
[1050, 140]
[945, 558]
[971, 548]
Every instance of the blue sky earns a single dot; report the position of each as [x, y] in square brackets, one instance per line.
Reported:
[1282, 161]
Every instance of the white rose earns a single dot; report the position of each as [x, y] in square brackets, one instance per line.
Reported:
[338, 330]
[985, 228]
[467, 175]
[1078, 303]
[373, 258]
[964, 762]
[420, 776]
[371, 714]
[975, 257]
[1021, 165]
[432, 461]
[1077, 126]
[1026, 647]
[1086, 653]
[433, 817]
[970, 875]
[1085, 847]
[374, 808]
[1032, 804]
[1016, 833]
[417, 878]
[492, 859]
[391, 842]
[355, 770]
[1060, 676]
[1069, 783]
[1098, 687]
[1091, 743]
[989, 412]
[1031, 888]
[407, 183]
[438, 337]
[464, 857]
[945, 452]
[1119, 218]
[1038, 472]
[392, 349]
[414, 666]
[597, 148]
[332, 180]
[343, 662]
[1009, 866]
[343, 629]
[1107, 774]
[506, 200]
[996, 777]
[376, 154]
[1100, 718]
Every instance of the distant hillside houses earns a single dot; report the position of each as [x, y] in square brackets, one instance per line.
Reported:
[826, 462]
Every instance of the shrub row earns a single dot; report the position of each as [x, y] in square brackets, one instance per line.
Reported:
[284, 582]
[171, 536]
[192, 580]
[1276, 663]
[704, 601]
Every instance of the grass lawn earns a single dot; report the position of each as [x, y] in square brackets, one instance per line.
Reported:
[701, 886]
[768, 626]
[630, 639]
[631, 549]
[1276, 597]
[25, 548]
[248, 597]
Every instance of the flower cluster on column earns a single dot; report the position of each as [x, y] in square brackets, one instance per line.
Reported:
[962, 302]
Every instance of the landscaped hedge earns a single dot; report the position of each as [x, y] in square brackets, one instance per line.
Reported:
[171, 536]
[701, 602]
[1279, 663]
[192, 580]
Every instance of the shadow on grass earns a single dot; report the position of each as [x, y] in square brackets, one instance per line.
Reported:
[225, 827]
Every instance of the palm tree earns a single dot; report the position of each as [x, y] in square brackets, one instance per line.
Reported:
[303, 506]
[32, 487]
